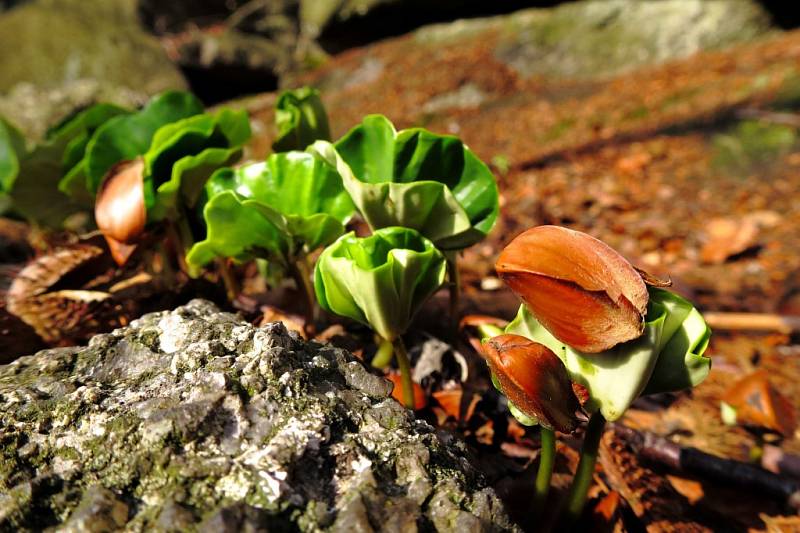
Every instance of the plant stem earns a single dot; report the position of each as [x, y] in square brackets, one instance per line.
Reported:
[167, 272]
[547, 457]
[455, 290]
[178, 244]
[405, 372]
[302, 277]
[384, 354]
[583, 476]
[228, 278]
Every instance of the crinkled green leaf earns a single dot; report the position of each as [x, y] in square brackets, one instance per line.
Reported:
[12, 147]
[300, 195]
[380, 280]
[616, 377]
[235, 231]
[417, 179]
[301, 119]
[79, 128]
[681, 363]
[184, 154]
[128, 136]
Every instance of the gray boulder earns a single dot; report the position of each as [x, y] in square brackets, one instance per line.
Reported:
[194, 419]
[606, 37]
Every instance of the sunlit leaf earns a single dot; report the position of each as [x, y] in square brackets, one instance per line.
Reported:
[184, 154]
[298, 196]
[380, 280]
[616, 377]
[128, 136]
[416, 179]
[301, 119]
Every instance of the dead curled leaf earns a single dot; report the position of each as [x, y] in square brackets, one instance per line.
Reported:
[585, 293]
[534, 379]
[759, 403]
[726, 237]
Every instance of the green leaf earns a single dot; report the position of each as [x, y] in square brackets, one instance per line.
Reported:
[416, 179]
[79, 128]
[184, 154]
[12, 147]
[235, 231]
[35, 194]
[301, 119]
[380, 280]
[521, 417]
[299, 195]
[616, 377]
[128, 136]
[681, 363]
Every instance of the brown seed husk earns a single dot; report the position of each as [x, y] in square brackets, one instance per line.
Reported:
[534, 379]
[586, 294]
[120, 210]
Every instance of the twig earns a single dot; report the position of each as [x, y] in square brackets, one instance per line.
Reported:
[786, 119]
[753, 321]
[725, 471]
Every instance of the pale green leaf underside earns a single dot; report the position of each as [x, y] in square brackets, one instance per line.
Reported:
[416, 179]
[668, 355]
[381, 280]
[298, 196]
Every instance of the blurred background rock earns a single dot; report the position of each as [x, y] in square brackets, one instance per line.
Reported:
[58, 55]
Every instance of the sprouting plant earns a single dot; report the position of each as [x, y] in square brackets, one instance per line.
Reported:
[420, 180]
[280, 210]
[301, 119]
[166, 182]
[617, 337]
[381, 281]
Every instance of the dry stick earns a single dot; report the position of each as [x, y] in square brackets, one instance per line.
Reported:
[725, 471]
[753, 321]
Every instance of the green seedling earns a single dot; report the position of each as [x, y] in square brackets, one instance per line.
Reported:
[381, 281]
[167, 181]
[616, 337]
[280, 210]
[301, 119]
[420, 180]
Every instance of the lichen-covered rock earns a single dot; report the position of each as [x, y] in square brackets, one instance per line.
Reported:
[194, 419]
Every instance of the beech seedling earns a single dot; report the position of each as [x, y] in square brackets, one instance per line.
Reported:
[617, 337]
[280, 210]
[381, 281]
[301, 119]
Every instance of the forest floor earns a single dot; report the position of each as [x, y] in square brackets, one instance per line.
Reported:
[690, 169]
